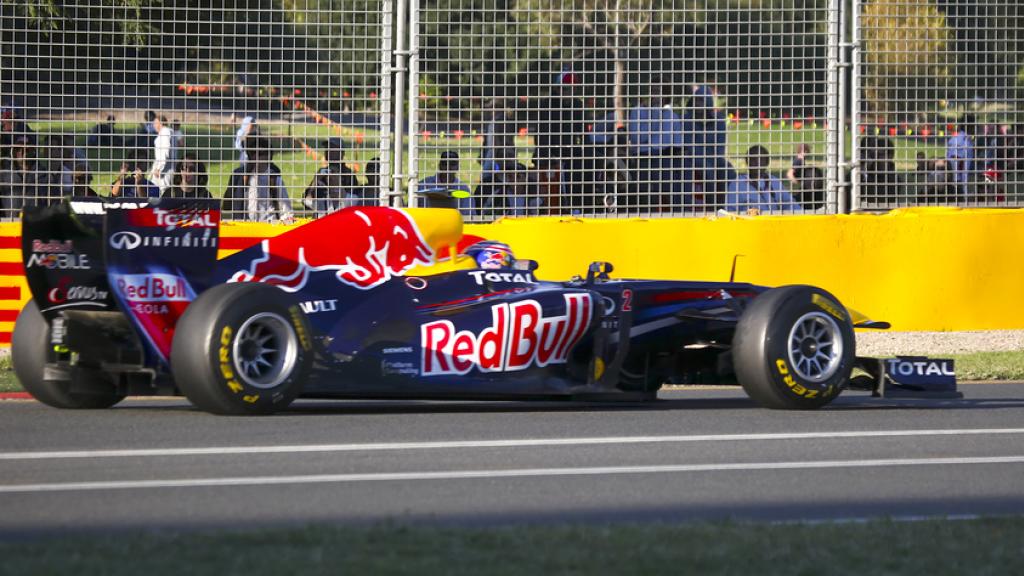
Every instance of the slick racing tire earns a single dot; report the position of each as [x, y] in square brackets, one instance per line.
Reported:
[242, 349]
[794, 348]
[30, 344]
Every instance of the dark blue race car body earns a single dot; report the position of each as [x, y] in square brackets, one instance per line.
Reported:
[376, 302]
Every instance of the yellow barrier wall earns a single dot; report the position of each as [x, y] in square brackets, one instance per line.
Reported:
[921, 269]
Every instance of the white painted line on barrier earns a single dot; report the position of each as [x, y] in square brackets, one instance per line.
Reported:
[493, 474]
[511, 443]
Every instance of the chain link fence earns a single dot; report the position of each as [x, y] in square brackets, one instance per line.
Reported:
[625, 107]
[609, 108]
[280, 108]
[939, 103]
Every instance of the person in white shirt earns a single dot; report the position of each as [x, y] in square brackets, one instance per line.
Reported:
[248, 127]
[163, 155]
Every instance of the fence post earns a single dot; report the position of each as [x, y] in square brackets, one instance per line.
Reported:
[855, 108]
[413, 98]
[833, 110]
[401, 96]
[387, 100]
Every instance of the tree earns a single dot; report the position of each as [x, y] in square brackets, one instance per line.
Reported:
[905, 63]
[612, 27]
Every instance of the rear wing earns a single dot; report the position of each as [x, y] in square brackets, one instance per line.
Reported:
[145, 258]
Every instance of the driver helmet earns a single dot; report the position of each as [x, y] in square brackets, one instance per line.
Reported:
[491, 255]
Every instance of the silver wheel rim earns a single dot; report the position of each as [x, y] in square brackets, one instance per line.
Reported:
[815, 347]
[265, 350]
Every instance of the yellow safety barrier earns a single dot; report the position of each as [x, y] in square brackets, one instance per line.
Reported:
[920, 269]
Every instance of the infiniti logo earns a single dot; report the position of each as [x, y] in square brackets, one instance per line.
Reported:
[125, 240]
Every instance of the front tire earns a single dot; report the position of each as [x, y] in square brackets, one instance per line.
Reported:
[242, 349]
[794, 348]
[30, 344]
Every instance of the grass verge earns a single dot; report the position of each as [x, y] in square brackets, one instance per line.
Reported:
[975, 366]
[990, 366]
[934, 547]
[8, 383]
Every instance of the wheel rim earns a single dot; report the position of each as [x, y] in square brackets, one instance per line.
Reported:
[265, 350]
[815, 347]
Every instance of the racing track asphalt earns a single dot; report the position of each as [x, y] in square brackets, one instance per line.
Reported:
[158, 463]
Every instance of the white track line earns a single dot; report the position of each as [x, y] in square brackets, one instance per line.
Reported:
[511, 443]
[492, 474]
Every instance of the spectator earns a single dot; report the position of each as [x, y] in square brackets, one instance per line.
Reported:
[799, 161]
[247, 128]
[444, 189]
[714, 184]
[177, 138]
[809, 189]
[511, 191]
[940, 185]
[558, 127]
[131, 180]
[52, 187]
[499, 150]
[371, 192]
[189, 180]
[81, 179]
[12, 129]
[758, 191]
[102, 134]
[163, 155]
[704, 139]
[960, 153]
[256, 190]
[19, 180]
[334, 185]
[149, 126]
[658, 137]
[878, 176]
[66, 156]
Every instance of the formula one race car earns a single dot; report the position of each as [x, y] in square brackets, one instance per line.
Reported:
[129, 298]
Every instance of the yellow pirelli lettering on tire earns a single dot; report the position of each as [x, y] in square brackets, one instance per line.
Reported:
[224, 356]
[251, 398]
[829, 306]
[791, 382]
[300, 328]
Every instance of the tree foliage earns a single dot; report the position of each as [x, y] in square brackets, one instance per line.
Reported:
[905, 60]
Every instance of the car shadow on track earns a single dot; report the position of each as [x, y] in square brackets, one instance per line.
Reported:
[695, 400]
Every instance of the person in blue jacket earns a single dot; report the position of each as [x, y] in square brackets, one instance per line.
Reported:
[758, 191]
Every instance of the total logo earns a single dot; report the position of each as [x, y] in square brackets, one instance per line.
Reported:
[482, 277]
[901, 367]
[176, 218]
[64, 292]
[184, 219]
[52, 247]
[153, 288]
[59, 261]
[127, 240]
[519, 337]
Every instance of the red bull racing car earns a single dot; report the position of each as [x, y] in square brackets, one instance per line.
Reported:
[130, 298]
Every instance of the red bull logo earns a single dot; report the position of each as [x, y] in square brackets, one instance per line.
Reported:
[519, 337]
[364, 247]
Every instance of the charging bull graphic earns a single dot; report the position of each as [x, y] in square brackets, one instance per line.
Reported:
[365, 247]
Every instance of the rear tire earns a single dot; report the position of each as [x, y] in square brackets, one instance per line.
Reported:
[242, 349]
[794, 348]
[30, 345]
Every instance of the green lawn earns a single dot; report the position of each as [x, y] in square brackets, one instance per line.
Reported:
[936, 548]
